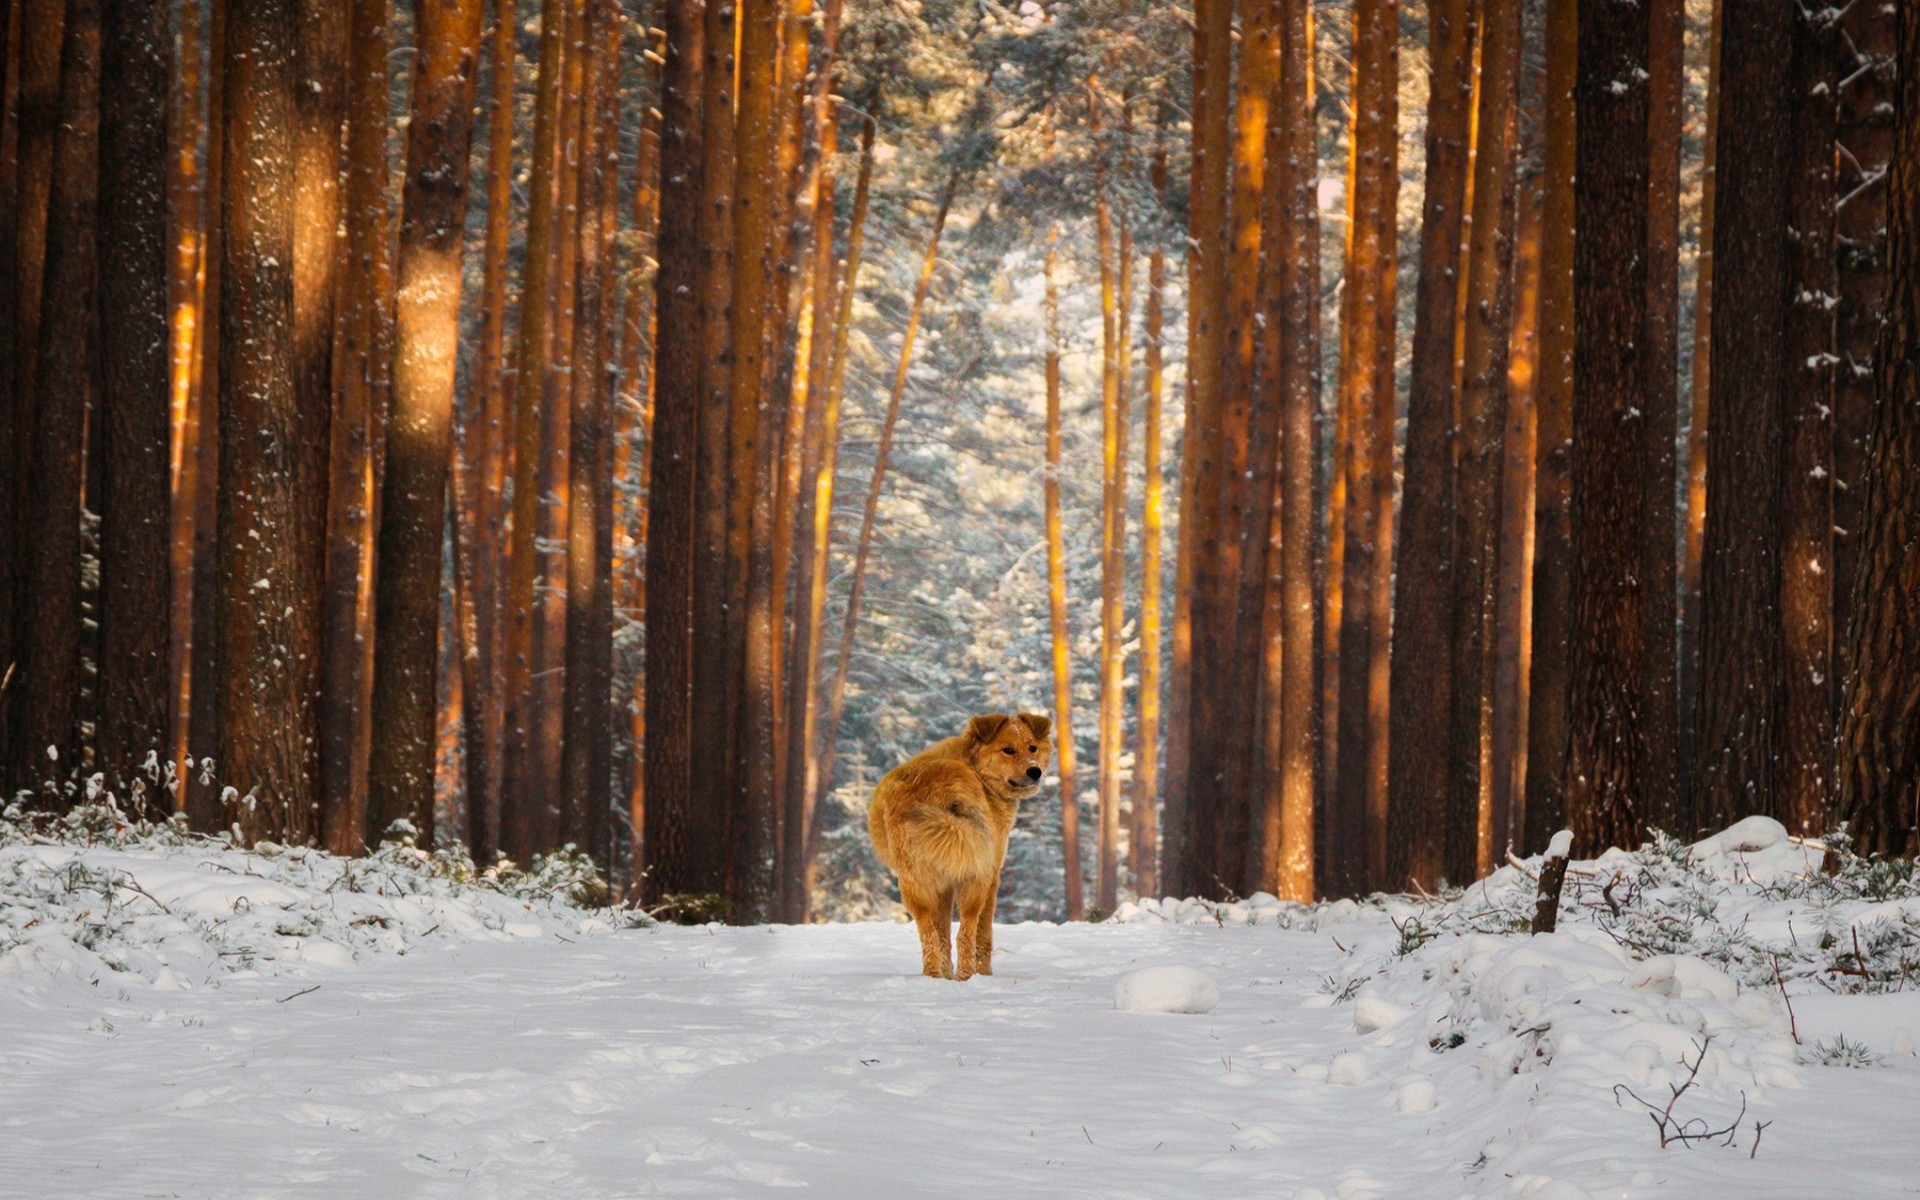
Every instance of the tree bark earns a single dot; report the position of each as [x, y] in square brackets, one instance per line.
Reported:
[1736, 770]
[1607, 770]
[48, 684]
[1188, 807]
[1552, 537]
[1356, 822]
[1418, 779]
[420, 427]
[1061, 633]
[1467, 817]
[670, 823]
[1879, 746]
[273, 451]
[363, 365]
[136, 584]
[1143, 830]
[1113, 519]
[1806, 512]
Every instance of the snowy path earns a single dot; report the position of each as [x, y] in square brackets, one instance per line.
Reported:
[737, 1063]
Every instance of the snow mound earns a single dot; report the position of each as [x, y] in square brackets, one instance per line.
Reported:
[1166, 990]
[95, 896]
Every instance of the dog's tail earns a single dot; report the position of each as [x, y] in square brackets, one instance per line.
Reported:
[950, 834]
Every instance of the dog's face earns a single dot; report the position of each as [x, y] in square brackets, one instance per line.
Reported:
[1010, 754]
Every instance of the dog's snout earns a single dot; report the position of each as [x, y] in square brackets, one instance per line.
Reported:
[1033, 772]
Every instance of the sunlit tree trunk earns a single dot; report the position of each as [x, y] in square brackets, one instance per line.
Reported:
[856, 586]
[670, 824]
[1806, 504]
[420, 427]
[136, 587]
[1880, 725]
[1061, 634]
[819, 766]
[273, 451]
[186, 308]
[1143, 831]
[1418, 780]
[1553, 462]
[66, 386]
[1113, 525]
[1738, 747]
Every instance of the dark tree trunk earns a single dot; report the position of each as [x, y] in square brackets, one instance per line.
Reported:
[671, 825]
[135, 548]
[1422, 695]
[273, 451]
[1880, 724]
[1606, 772]
[420, 423]
[1737, 749]
[66, 387]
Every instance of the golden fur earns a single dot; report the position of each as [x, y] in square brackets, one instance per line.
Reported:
[940, 822]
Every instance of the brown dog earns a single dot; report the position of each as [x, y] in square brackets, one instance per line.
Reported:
[940, 821]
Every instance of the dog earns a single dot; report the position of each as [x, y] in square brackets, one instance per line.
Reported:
[940, 823]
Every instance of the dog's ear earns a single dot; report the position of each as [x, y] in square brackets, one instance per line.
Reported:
[985, 728]
[1038, 724]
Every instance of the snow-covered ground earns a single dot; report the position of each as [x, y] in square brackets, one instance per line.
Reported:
[250, 1025]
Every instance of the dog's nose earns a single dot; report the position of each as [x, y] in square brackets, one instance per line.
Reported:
[1033, 772]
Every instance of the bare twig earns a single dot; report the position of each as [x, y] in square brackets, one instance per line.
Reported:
[1759, 1127]
[1792, 1025]
[298, 994]
[1692, 1129]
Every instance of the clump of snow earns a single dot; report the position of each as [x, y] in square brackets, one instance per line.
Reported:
[1166, 990]
[1562, 844]
[93, 894]
[1350, 1069]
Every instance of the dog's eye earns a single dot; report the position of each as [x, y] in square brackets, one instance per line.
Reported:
[1008, 750]
[1032, 749]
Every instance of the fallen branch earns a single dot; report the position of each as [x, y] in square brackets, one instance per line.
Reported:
[298, 994]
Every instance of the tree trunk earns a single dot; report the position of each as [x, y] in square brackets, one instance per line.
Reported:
[273, 451]
[1807, 517]
[1143, 830]
[1467, 819]
[1736, 770]
[1356, 823]
[66, 386]
[1868, 92]
[819, 764]
[363, 353]
[1553, 457]
[36, 117]
[420, 427]
[754, 426]
[1879, 746]
[136, 586]
[1189, 808]
[485, 446]
[717, 663]
[518, 605]
[1693, 534]
[1061, 634]
[587, 766]
[671, 824]
[1418, 778]
[1607, 772]
[837, 695]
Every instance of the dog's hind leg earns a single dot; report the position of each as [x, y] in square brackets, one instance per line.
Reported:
[931, 915]
[982, 961]
[976, 911]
